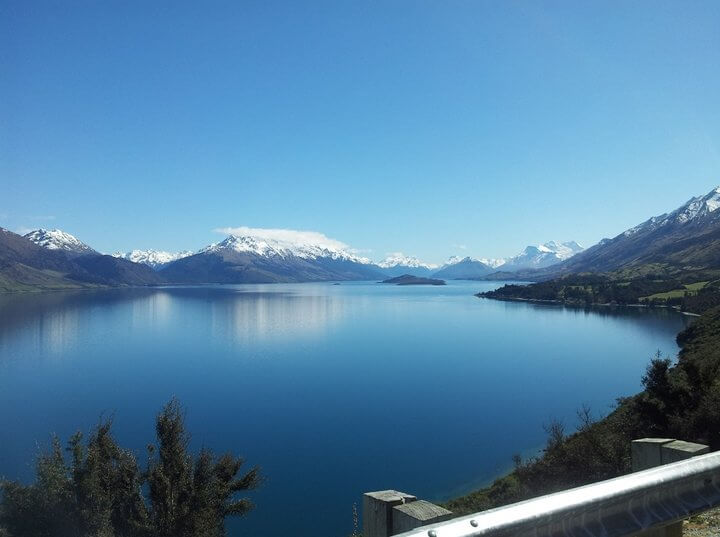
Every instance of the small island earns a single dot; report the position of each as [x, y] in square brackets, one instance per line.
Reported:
[408, 279]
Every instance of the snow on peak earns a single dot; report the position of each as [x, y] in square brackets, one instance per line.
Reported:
[695, 209]
[454, 260]
[153, 258]
[544, 255]
[562, 250]
[284, 243]
[712, 201]
[698, 207]
[539, 256]
[493, 263]
[55, 239]
[395, 259]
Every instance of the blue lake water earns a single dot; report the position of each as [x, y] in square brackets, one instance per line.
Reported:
[332, 389]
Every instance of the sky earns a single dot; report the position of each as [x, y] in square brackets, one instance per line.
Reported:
[435, 128]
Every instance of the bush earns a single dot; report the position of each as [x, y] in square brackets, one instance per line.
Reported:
[101, 491]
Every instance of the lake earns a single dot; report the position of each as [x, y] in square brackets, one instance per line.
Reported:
[332, 389]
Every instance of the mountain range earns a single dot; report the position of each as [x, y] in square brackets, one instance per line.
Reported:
[259, 259]
[685, 239]
[264, 260]
[533, 257]
[56, 260]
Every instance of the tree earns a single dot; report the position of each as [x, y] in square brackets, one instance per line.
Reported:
[100, 491]
[193, 498]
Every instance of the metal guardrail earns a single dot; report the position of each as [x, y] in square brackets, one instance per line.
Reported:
[618, 507]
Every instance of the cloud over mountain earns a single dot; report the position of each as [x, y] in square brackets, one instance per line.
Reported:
[288, 236]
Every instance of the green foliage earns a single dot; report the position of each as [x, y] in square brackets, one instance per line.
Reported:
[703, 300]
[587, 289]
[101, 491]
[691, 291]
[680, 401]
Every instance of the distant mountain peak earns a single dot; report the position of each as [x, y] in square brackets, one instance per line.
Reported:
[156, 259]
[698, 207]
[695, 210]
[282, 248]
[56, 239]
[396, 259]
[466, 268]
[491, 262]
[455, 259]
[543, 255]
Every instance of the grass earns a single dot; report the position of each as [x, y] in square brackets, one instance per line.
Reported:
[690, 288]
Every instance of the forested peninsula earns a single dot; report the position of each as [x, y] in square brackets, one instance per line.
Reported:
[689, 291]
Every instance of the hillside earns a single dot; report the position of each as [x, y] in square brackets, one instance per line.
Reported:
[26, 266]
[682, 241]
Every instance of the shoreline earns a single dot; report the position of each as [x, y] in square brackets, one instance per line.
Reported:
[578, 306]
[485, 491]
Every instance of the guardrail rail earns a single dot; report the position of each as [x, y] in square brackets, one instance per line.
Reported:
[624, 506]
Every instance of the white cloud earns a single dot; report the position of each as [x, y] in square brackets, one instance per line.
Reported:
[290, 236]
[461, 246]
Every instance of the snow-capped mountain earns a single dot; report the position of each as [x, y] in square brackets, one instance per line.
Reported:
[532, 257]
[493, 263]
[464, 269]
[694, 210]
[266, 256]
[452, 260]
[397, 264]
[687, 237]
[270, 247]
[72, 262]
[55, 239]
[398, 258]
[544, 255]
[156, 259]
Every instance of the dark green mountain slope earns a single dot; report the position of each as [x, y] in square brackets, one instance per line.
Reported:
[25, 266]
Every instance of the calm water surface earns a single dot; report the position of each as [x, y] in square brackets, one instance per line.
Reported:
[332, 389]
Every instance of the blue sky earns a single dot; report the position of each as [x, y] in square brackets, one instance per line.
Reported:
[413, 126]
